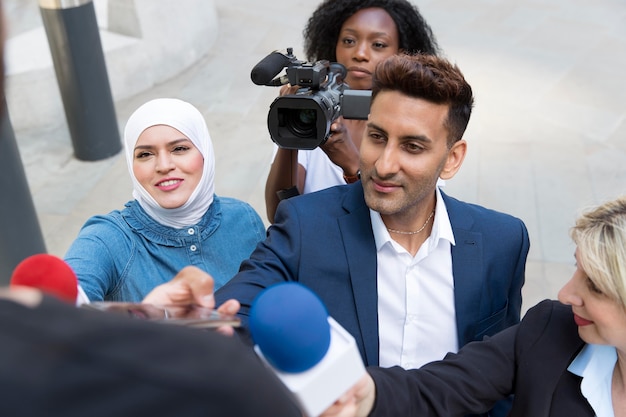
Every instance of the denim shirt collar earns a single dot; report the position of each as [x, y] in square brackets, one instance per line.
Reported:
[138, 220]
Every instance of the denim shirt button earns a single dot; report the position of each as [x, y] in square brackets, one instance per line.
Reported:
[193, 248]
[191, 231]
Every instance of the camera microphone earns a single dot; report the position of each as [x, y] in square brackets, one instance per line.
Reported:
[269, 67]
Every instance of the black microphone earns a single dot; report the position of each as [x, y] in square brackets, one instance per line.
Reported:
[269, 67]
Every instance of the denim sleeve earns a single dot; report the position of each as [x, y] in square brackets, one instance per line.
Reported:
[98, 256]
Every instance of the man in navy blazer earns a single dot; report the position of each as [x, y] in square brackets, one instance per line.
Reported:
[410, 272]
[324, 240]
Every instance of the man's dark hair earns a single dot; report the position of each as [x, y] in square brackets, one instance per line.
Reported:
[430, 78]
[322, 31]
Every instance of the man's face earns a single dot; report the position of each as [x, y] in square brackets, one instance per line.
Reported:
[403, 153]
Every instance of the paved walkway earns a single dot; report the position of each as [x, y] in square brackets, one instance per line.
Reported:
[548, 136]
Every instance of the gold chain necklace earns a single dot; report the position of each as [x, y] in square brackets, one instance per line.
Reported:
[401, 232]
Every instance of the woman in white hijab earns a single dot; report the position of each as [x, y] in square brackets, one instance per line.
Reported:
[175, 218]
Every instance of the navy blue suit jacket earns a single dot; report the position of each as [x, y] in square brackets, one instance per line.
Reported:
[324, 240]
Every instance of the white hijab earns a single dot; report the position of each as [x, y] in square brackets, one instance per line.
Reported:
[185, 118]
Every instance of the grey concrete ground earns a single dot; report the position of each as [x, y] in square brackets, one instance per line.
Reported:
[548, 136]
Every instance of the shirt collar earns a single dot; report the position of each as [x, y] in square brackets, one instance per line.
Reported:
[595, 364]
[442, 229]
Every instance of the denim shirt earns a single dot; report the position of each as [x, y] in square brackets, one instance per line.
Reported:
[123, 255]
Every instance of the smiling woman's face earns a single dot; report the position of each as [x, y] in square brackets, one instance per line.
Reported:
[366, 38]
[601, 320]
[167, 164]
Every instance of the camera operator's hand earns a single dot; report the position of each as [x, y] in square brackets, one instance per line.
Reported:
[342, 144]
[288, 89]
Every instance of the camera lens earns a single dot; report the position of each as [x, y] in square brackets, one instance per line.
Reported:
[301, 122]
[306, 116]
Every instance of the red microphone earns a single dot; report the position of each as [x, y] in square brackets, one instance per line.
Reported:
[49, 274]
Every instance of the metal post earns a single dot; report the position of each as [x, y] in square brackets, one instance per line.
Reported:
[74, 39]
[20, 235]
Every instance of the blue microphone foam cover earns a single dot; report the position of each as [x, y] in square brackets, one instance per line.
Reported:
[289, 324]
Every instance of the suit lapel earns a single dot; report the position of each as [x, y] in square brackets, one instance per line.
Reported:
[356, 230]
[467, 266]
[467, 269]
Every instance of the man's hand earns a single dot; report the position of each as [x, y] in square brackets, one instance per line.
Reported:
[192, 286]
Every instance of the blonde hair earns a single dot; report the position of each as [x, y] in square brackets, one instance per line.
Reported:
[600, 235]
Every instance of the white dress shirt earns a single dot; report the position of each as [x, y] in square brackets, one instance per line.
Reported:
[416, 313]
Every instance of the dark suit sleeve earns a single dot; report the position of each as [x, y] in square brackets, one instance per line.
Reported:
[274, 260]
[472, 380]
[468, 382]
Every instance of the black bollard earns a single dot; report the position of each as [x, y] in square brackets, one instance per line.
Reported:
[74, 39]
[20, 234]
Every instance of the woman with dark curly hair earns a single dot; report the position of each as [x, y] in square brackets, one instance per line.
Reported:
[321, 34]
[358, 34]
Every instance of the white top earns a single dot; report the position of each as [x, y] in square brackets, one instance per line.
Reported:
[416, 314]
[595, 364]
[321, 172]
[81, 298]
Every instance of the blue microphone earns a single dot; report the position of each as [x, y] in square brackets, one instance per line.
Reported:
[289, 323]
[309, 351]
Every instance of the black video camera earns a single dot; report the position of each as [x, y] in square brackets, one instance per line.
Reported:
[302, 120]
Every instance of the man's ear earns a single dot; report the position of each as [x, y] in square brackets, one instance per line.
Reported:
[456, 155]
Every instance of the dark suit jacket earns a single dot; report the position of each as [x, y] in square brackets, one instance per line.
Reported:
[325, 241]
[529, 360]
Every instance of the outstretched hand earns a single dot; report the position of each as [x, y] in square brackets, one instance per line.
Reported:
[192, 286]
